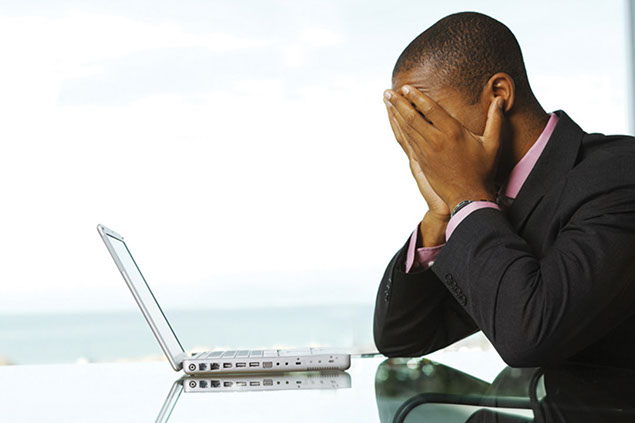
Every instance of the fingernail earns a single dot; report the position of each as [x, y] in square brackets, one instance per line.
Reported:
[387, 95]
[405, 90]
[501, 103]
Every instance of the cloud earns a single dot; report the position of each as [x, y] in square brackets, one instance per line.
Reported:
[320, 37]
[296, 53]
[81, 37]
[42, 54]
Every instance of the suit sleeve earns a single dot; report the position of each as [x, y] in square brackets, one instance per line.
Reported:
[415, 313]
[540, 310]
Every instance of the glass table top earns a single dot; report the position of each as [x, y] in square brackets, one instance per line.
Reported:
[459, 387]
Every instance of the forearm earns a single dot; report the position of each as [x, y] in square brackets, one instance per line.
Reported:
[415, 314]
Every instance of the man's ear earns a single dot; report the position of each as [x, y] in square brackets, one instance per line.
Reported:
[500, 85]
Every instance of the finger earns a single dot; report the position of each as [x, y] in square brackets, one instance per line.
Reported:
[404, 142]
[399, 136]
[414, 139]
[430, 109]
[494, 125]
[398, 133]
[410, 115]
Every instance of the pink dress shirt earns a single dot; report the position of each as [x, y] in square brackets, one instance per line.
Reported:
[422, 258]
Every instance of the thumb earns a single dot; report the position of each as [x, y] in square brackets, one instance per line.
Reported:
[494, 124]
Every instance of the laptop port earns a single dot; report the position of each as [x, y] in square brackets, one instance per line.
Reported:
[241, 364]
[192, 367]
[297, 363]
[267, 365]
[267, 382]
[214, 366]
[202, 367]
[226, 365]
[254, 364]
[254, 383]
[203, 384]
[192, 384]
[228, 384]
[241, 383]
[214, 383]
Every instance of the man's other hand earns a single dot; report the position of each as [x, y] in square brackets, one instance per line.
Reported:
[457, 164]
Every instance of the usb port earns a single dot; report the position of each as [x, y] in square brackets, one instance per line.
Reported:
[202, 367]
[254, 383]
[214, 383]
[267, 365]
[267, 382]
[226, 365]
[241, 364]
[214, 366]
[227, 384]
[241, 383]
[254, 364]
[297, 363]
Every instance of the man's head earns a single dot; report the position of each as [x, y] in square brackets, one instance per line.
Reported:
[463, 62]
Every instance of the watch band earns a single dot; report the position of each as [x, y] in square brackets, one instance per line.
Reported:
[463, 204]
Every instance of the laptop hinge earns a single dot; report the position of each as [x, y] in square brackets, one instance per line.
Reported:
[179, 358]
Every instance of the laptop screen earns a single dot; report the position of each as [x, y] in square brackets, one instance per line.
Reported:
[149, 306]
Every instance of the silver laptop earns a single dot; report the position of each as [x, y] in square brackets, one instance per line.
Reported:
[213, 361]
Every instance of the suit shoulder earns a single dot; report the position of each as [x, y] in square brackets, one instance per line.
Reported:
[604, 162]
[600, 147]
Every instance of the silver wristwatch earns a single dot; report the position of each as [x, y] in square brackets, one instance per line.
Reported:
[461, 205]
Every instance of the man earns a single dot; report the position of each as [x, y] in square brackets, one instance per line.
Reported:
[530, 232]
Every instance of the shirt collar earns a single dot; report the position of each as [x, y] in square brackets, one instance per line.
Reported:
[521, 171]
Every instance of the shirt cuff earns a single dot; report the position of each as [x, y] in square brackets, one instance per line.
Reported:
[464, 212]
[420, 258]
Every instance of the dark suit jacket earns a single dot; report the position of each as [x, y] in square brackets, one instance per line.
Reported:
[550, 279]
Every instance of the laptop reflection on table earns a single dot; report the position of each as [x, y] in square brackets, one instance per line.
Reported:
[259, 382]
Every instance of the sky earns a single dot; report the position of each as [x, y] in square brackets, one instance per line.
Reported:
[241, 148]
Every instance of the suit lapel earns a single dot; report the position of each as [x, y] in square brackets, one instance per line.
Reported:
[556, 160]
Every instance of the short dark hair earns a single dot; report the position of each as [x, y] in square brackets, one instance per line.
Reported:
[464, 50]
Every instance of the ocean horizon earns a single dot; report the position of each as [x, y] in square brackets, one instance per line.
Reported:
[104, 336]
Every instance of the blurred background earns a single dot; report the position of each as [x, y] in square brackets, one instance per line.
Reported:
[243, 151]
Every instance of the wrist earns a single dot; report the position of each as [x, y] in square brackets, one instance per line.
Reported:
[432, 229]
[437, 217]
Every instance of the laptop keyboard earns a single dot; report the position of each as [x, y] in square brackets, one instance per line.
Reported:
[239, 354]
[253, 353]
